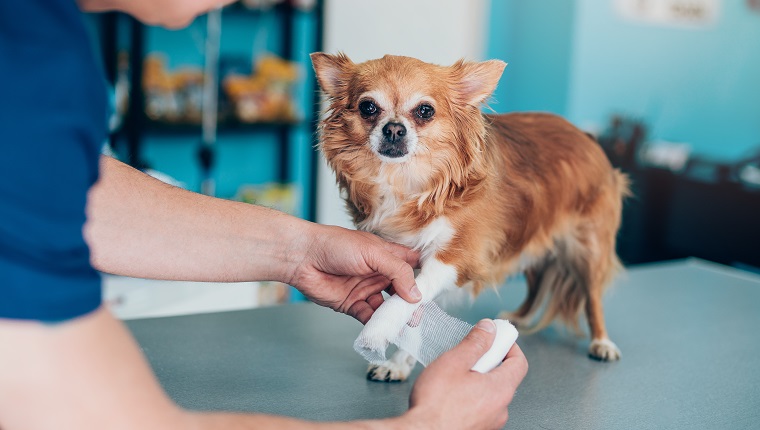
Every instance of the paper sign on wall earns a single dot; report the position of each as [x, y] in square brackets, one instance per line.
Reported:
[671, 13]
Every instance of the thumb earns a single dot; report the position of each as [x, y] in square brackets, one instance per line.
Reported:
[398, 271]
[411, 256]
[475, 344]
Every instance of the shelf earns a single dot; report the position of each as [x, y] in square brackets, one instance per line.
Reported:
[282, 7]
[228, 126]
[136, 125]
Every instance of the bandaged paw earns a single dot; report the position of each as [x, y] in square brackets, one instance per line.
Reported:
[383, 328]
[425, 332]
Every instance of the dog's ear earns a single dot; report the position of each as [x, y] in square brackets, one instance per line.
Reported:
[332, 72]
[475, 82]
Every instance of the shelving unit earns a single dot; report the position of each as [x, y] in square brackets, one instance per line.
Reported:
[136, 125]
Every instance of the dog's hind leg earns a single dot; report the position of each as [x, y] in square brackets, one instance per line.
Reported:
[601, 348]
[533, 280]
[595, 266]
[524, 314]
[598, 235]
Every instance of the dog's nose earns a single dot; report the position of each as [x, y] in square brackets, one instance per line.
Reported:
[394, 131]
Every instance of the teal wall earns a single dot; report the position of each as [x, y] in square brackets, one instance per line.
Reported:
[579, 59]
[535, 39]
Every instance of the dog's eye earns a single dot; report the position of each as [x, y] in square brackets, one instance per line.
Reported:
[425, 111]
[367, 108]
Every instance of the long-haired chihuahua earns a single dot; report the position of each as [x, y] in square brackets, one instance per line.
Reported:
[481, 196]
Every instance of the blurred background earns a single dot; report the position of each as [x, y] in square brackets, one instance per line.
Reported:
[228, 106]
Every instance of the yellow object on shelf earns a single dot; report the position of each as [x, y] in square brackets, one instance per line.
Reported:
[172, 96]
[264, 96]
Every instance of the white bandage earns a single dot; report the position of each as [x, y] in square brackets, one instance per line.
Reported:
[429, 333]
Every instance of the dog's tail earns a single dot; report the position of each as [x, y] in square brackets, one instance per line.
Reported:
[553, 289]
[558, 289]
[581, 264]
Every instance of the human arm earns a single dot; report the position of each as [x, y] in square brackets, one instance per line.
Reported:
[138, 226]
[89, 373]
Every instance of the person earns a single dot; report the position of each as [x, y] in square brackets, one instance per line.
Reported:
[67, 213]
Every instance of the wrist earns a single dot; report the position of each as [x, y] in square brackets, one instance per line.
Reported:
[306, 240]
[299, 240]
[403, 422]
[415, 418]
[279, 242]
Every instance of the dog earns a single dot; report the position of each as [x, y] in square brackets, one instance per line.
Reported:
[481, 196]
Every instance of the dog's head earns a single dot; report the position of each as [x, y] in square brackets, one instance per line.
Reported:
[403, 116]
[404, 123]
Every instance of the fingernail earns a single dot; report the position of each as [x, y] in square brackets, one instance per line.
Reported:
[487, 325]
[415, 293]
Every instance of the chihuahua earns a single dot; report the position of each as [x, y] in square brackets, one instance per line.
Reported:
[481, 196]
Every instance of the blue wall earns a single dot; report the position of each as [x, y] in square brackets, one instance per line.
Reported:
[579, 59]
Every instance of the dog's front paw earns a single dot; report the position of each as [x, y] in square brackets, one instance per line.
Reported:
[389, 371]
[604, 350]
[396, 369]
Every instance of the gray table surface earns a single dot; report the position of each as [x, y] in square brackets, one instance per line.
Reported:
[689, 332]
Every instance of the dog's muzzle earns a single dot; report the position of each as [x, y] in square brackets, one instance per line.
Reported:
[393, 144]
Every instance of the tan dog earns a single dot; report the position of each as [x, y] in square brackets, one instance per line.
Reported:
[481, 196]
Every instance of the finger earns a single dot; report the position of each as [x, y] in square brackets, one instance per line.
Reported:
[398, 271]
[514, 368]
[411, 256]
[515, 352]
[474, 345]
[362, 289]
[362, 311]
[390, 290]
[379, 284]
[375, 300]
[373, 284]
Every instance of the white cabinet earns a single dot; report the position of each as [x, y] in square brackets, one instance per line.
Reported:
[130, 298]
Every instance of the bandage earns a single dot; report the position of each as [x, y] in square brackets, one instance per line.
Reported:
[429, 333]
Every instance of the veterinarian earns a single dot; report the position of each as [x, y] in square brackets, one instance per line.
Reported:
[65, 362]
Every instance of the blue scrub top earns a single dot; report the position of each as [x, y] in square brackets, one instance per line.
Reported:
[52, 126]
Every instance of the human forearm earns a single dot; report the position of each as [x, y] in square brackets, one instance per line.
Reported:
[138, 226]
[229, 421]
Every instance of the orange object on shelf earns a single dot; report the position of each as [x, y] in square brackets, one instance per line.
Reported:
[266, 95]
[172, 96]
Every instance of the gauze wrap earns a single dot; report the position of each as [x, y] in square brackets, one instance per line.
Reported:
[427, 334]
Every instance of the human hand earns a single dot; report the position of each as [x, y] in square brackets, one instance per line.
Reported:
[448, 394]
[347, 270]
